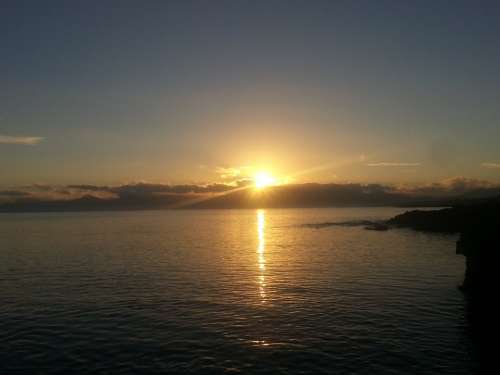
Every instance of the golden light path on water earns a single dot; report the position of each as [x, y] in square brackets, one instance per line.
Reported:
[261, 260]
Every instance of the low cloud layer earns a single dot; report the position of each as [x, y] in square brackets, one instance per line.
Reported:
[233, 175]
[393, 164]
[491, 165]
[42, 192]
[455, 187]
[144, 188]
[27, 141]
[156, 196]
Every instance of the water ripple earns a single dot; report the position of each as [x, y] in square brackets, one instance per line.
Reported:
[228, 292]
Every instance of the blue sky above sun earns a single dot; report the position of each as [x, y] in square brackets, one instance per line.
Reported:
[188, 91]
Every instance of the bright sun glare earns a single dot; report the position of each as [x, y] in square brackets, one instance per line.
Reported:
[263, 179]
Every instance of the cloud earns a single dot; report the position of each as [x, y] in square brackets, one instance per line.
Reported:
[144, 188]
[143, 195]
[455, 186]
[232, 177]
[28, 141]
[227, 173]
[42, 192]
[464, 183]
[491, 165]
[14, 193]
[393, 164]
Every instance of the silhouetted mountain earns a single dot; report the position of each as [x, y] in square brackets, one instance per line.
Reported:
[144, 196]
[92, 203]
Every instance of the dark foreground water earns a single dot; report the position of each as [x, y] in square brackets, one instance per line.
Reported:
[228, 291]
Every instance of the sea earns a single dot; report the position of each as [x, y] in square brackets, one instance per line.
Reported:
[229, 291]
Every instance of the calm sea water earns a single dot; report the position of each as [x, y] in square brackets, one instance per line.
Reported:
[228, 291]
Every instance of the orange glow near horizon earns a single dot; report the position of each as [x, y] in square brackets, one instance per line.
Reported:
[263, 179]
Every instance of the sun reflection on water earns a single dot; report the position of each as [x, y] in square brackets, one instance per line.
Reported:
[261, 260]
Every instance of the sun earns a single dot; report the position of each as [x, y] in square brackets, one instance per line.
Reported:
[263, 179]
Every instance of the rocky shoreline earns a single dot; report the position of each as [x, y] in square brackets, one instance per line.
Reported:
[478, 225]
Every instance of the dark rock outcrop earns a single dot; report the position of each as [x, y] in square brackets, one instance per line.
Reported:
[479, 228]
[378, 227]
[481, 247]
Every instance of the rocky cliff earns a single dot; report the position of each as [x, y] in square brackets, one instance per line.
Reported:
[479, 228]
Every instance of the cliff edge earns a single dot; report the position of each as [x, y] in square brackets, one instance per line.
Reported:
[479, 227]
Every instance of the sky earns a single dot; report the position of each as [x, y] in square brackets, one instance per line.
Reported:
[114, 92]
